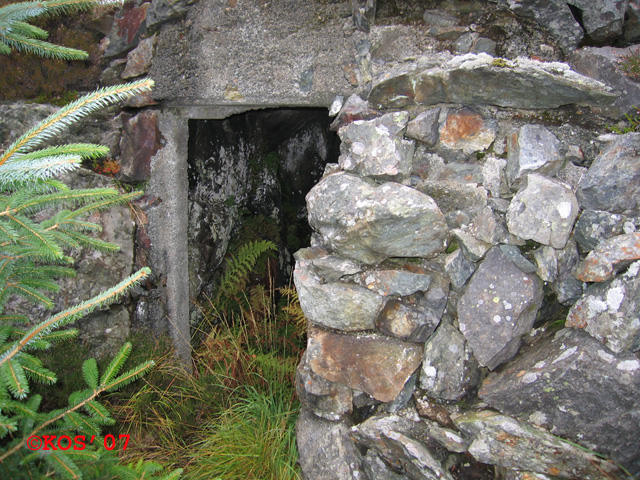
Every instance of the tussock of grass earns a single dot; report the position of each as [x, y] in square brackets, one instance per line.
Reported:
[252, 440]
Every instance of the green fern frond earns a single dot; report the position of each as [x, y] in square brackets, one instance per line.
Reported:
[240, 266]
[72, 112]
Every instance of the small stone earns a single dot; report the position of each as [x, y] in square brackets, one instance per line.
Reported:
[459, 268]
[140, 141]
[498, 308]
[336, 105]
[532, 148]
[375, 364]
[513, 253]
[355, 108]
[451, 440]
[595, 226]
[609, 257]
[473, 248]
[375, 467]
[543, 210]
[409, 321]
[424, 127]
[453, 196]
[466, 130]
[613, 180]
[571, 174]
[494, 176]
[449, 370]
[129, 25]
[375, 148]
[139, 59]
[547, 262]
[566, 287]
[610, 311]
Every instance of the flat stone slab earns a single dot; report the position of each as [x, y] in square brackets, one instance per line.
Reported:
[501, 440]
[574, 386]
[484, 80]
[372, 363]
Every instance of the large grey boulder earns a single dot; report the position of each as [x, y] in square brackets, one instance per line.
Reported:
[574, 386]
[610, 311]
[613, 180]
[481, 79]
[372, 363]
[369, 222]
[543, 210]
[498, 307]
[504, 441]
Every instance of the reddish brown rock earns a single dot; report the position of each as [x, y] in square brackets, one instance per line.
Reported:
[139, 59]
[467, 130]
[140, 141]
[608, 258]
[377, 365]
[128, 26]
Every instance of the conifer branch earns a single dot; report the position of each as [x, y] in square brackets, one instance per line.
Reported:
[71, 113]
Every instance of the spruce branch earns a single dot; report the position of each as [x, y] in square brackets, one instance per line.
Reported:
[74, 313]
[71, 113]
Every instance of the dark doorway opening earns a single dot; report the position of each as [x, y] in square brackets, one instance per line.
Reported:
[248, 177]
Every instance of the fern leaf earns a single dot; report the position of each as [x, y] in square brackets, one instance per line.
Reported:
[63, 465]
[14, 378]
[71, 113]
[237, 270]
[129, 376]
[116, 364]
[90, 373]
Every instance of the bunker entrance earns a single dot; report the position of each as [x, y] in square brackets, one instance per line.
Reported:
[248, 176]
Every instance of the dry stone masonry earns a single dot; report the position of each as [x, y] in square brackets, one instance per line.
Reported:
[472, 284]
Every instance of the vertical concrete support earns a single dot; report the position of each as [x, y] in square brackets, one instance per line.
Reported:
[168, 228]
